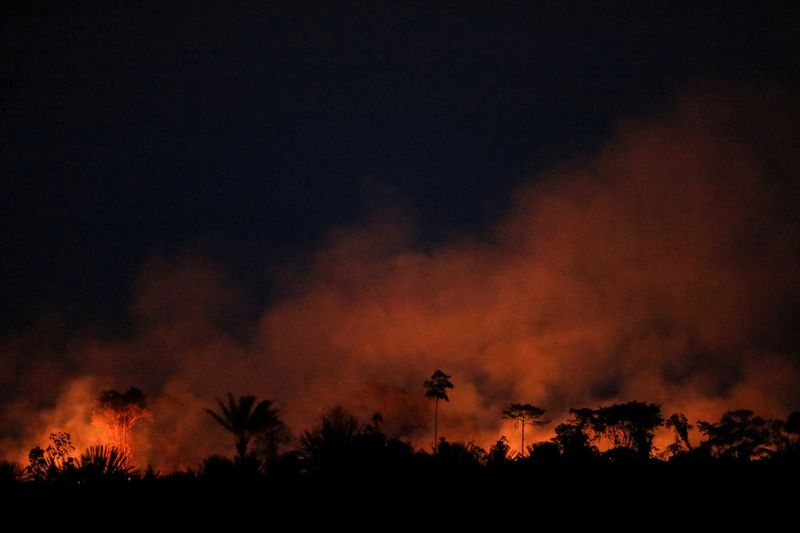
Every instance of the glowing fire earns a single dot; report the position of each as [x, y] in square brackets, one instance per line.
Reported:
[116, 414]
[664, 268]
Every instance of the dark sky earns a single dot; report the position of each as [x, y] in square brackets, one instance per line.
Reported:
[247, 132]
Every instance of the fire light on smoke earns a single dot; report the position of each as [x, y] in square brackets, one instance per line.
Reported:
[116, 414]
[664, 268]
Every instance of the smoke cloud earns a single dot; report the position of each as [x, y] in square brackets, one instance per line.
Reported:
[664, 267]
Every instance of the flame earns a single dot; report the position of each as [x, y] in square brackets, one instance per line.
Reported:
[117, 426]
[663, 268]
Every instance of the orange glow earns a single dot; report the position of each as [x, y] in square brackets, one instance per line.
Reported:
[660, 269]
[116, 414]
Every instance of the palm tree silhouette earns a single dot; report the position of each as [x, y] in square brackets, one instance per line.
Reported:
[437, 390]
[102, 462]
[245, 419]
[330, 444]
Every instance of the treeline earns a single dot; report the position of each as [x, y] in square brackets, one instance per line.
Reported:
[341, 444]
[618, 434]
[600, 460]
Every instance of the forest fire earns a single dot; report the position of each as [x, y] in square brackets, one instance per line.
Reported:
[627, 276]
[116, 414]
[400, 261]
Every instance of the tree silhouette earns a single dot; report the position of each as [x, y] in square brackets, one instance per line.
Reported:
[53, 462]
[95, 465]
[330, 444]
[785, 434]
[793, 423]
[627, 425]
[118, 413]
[791, 432]
[436, 388]
[499, 453]
[544, 453]
[104, 463]
[219, 469]
[268, 443]
[459, 456]
[11, 472]
[681, 426]
[521, 414]
[376, 421]
[573, 439]
[245, 419]
[737, 435]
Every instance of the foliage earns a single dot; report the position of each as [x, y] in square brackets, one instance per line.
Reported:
[54, 461]
[738, 435]
[681, 426]
[573, 439]
[500, 452]
[332, 440]
[96, 464]
[785, 435]
[522, 413]
[453, 455]
[268, 443]
[629, 425]
[544, 453]
[118, 413]
[220, 469]
[436, 387]
[112, 400]
[104, 463]
[11, 472]
[246, 419]
[339, 444]
[792, 425]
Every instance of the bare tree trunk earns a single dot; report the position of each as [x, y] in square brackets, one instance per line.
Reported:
[436, 428]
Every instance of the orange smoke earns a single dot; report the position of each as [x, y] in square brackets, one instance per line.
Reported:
[663, 268]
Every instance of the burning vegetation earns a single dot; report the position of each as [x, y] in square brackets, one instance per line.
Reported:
[620, 432]
[613, 445]
[116, 414]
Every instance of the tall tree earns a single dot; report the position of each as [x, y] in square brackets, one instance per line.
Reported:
[245, 419]
[524, 413]
[118, 413]
[436, 389]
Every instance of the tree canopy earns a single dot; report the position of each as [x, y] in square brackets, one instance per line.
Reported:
[436, 387]
[246, 419]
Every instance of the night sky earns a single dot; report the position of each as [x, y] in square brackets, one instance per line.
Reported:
[555, 203]
[246, 133]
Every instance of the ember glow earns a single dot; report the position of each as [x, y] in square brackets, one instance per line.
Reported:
[116, 414]
[665, 268]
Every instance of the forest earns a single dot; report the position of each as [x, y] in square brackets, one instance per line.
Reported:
[599, 459]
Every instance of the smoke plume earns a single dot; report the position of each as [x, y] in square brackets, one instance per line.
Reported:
[664, 267]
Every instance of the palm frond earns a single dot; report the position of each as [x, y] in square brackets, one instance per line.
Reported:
[220, 420]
